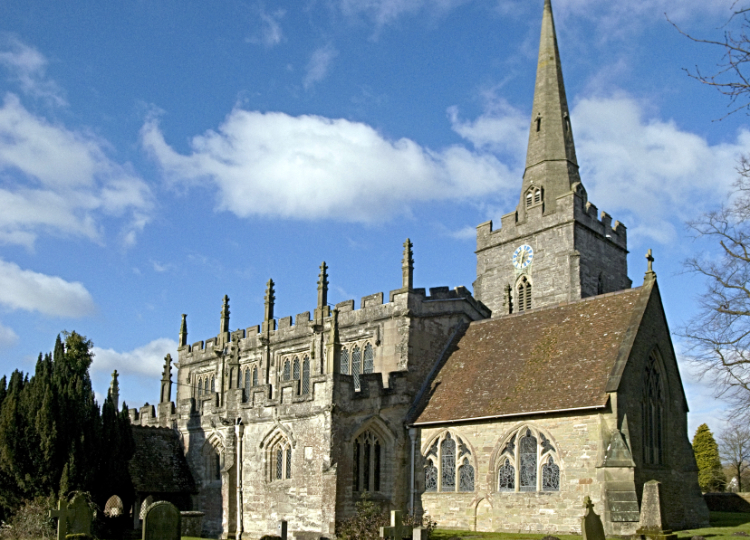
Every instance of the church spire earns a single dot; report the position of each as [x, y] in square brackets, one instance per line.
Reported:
[551, 163]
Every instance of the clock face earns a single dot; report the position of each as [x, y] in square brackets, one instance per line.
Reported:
[522, 256]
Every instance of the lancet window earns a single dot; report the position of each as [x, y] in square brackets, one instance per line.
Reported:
[247, 384]
[449, 465]
[356, 365]
[295, 369]
[199, 393]
[524, 294]
[369, 360]
[345, 361]
[287, 370]
[653, 411]
[367, 459]
[280, 459]
[255, 376]
[528, 462]
[305, 388]
[213, 384]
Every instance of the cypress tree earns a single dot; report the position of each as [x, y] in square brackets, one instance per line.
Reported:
[710, 473]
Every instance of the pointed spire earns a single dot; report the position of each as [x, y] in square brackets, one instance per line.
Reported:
[183, 331]
[166, 380]
[224, 329]
[114, 390]
[551, 157]
[269, 301]
[407, 267]
[323, 286]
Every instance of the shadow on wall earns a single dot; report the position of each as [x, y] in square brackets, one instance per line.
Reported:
[728, 502]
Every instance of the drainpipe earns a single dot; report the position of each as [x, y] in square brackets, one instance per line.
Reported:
[239, 429]
[413, 437]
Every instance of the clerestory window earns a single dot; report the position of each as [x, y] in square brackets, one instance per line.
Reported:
[448, 465]
[528, 463]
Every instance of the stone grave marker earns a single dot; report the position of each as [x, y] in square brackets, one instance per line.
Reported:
[161, 522]
[79, 516]
[62, 518]
[397, 530]
[652, 523]
[591, 523]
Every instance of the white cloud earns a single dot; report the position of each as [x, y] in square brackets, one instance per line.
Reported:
[383, 12]
[60, 180]
[270, 33]
[8, 338]
[28, 66]
[145, 360]
[319, 65]
[50, 295]
[310, 167]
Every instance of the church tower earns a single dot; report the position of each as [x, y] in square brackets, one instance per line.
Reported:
[554, 247]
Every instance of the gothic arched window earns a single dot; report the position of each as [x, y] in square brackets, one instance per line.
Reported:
[280, 454]
[356, 365]
[306, 376]
[527, 463]
[345, 361]
[369, 363]
[213, 384]
[367, 462]
[295, 369]
[287, 370]
[200, 387]
[537, 195]
[653, 411]
[205, 385]
[449, 461]
[255, 376]
[524, 294]
[247, 384]
[529, 198]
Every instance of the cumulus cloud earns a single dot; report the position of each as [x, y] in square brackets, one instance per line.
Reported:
[145, 360]
[61, 180]
[310, 167]
[8, 338]
[27, 66]
[319, 65]
[50, 295]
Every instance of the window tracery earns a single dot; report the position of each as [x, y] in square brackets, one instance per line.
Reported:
[527, 463]
[280, 454]
[653, 411]
[295, 369]
[448, 465]
[367, 462]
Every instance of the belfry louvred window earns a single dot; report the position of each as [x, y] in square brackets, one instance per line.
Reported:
[527, 462]
[448, 465]
[524, 294]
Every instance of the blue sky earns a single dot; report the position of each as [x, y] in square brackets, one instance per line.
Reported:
[156, 155]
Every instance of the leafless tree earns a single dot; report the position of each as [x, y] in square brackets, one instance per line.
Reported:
[734, 449]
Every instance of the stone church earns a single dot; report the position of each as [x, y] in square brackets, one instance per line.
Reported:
[497, 411]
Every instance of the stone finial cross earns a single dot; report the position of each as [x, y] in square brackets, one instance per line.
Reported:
[397, 530]
[650, 268]
[62, 518]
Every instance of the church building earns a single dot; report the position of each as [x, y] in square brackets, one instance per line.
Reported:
[493, 411]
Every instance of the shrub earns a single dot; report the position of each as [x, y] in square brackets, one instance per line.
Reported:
[30, 521]
[370, 516]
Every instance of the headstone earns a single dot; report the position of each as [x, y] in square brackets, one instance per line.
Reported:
[652, 525]
[591, 523]
[62, 518]
[420, 533]
[282, 530]
[161, 522]
[80, 515]
[397, 530]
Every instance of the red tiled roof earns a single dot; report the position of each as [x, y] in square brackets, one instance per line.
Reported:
[548, 359]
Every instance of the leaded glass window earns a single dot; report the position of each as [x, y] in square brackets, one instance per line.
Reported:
[287, 370]
[255, 376]
[369, 365]
[288, 461]
[205, 385]
[279, 463]
[345, 361]
[247, 384]
[550, 476]
[466, 476]
[295, 370]
[527, 462]
[448, 464]
[306, 376]
[367, 460]
[506, 477]
[281, 460]
[430, 476]
[356, 365]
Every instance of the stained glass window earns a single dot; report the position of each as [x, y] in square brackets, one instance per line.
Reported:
[356, 365]
[369, 366]
[306, 376]
[295, 370]
[345, 361]
[448, 464]
[550, 476]
[466, 476]
[527, 462]
[287, 370]
[507, 477]
[430, 476]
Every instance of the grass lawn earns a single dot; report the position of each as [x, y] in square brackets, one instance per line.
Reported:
[723, 525]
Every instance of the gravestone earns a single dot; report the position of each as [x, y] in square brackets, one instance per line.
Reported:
[80, 515]
[397, 530]
[420, 533]
[62, 518]
[161, 522]
[591, 523]
[652, 525]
